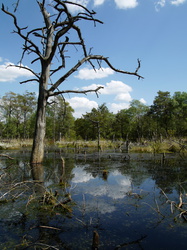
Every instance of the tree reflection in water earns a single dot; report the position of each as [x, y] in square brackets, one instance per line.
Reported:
[127, 208]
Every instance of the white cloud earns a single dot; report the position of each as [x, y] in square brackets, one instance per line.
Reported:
[119, 91]
[123, 97]
[126, 4]
[118, 88]
[90, 74]
[121, 4]
[160, 4]
[116, 107]
[81, 105]
[92, 86]
[142, 100]
[10, 74]
[98, 2]
[178, 2]
[75, 8]
[115, 87]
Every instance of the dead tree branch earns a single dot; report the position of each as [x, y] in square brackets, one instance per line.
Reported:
[50, 35]
[177, 206]
[85, 59]
[77, 91]
[7, 156]
[26, 68]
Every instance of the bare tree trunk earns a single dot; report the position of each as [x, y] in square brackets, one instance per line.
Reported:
[38, 176]
[37, 153]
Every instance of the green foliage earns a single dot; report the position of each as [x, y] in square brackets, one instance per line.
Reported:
[59, 120]
[167, 117]
[16, 111]
[162, 111]
[97, 123]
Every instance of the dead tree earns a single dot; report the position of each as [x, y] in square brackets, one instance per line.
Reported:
[48, 42]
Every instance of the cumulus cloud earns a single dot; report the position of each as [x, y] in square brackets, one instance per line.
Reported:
[81, 105]
[115, 87]
[119, 90]
[92, 86]
[10, 74]
[90, 74]
[123, 97]
[142, 100]
[126, 4]
[116, 107]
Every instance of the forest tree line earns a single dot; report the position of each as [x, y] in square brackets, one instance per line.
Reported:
[166, 117]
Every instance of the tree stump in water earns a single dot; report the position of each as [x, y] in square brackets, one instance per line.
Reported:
[95, 242]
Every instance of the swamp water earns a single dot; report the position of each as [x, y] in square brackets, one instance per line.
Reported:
[131, 202]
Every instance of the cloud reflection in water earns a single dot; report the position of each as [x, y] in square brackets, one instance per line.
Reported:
[99, 192]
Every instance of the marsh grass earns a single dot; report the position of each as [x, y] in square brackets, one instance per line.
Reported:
[155, 147]
[104, 144]
[80, 146]
[15, 144]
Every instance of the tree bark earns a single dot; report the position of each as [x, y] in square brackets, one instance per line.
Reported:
[37, 154]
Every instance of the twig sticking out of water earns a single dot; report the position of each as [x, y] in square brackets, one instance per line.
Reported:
[53, 228]
[63, 162]
[183, 212]
[14, 186]
[180, 201]
[157, 210]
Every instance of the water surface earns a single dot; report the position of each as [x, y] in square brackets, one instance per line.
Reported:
[129, 201]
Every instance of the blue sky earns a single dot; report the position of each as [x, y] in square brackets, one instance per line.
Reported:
[155, 31]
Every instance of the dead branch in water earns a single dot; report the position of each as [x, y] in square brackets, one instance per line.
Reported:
[7, 156]
[177, 206]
